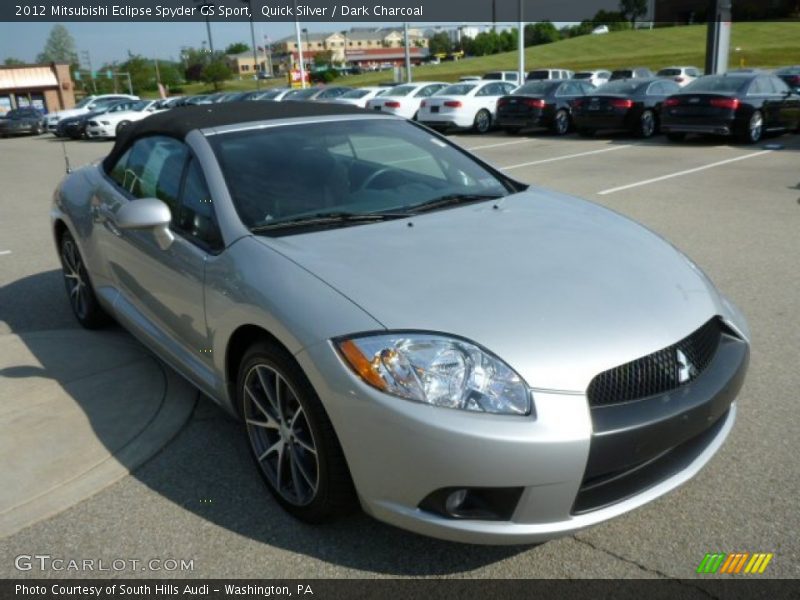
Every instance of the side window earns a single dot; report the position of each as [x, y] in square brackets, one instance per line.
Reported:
[758, 87]
[152, 168]
[508, 88]
[428, 90]
[568, 89]
[779, 85]
[196, 217]
[485, 90]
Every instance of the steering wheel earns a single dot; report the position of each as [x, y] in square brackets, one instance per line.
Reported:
[374, 176]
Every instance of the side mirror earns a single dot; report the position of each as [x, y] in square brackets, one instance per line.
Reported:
[147, 213]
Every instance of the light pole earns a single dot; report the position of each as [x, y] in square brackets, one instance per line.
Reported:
[201, 4]
[407, 52]
[299, 48]
[253, 42]
[521, 46]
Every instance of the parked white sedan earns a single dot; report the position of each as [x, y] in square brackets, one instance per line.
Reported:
[110, 124]
[404, 100]
[465, 105]
[359, 96]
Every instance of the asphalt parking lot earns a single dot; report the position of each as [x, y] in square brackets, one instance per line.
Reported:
[735, 210]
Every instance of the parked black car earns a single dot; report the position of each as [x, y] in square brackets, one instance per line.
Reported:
[75, 127]
[790, 76]
[630, 104]
[541, 104]
[632, 73]
[22, 121]
[742, 104]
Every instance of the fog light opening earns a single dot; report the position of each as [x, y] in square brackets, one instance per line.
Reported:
[455, 501]
[485, 504]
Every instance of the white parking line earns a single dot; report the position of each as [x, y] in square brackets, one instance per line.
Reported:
[497, 145]
[555, 158]
[681, 173]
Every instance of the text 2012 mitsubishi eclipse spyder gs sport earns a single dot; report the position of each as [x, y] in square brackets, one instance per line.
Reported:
[398, 324]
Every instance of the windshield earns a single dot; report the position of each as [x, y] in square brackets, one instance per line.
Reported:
[619, 87]
[355, 94]
[539, 75]
[459, 89]
[669, 72]
[717, 83]
[22, 113]
[140, 105]
[537, 87]
[84, 102]
[401, 90]
[301, 94]
[586, 75]
[355, 166]
[493, 76]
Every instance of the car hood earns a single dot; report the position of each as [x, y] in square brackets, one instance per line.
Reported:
[559, 288]
[73, 112]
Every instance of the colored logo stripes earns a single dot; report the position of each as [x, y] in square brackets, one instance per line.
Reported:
[734, 563]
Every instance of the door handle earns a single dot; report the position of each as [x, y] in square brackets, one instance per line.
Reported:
[103, 215]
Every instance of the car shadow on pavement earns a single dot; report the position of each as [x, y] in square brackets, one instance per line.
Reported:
[207, 469]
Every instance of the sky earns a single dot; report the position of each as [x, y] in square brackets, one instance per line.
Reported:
[107, 42]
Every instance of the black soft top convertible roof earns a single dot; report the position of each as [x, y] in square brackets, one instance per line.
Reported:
[178, 122]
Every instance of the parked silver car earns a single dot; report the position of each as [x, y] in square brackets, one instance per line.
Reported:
[399, 324]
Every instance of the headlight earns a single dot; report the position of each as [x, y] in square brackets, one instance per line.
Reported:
[437, 370]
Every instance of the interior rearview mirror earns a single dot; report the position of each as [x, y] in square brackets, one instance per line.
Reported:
[147, 213]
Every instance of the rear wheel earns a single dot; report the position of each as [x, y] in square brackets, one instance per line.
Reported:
[646, 126]
[754, 129]
[676, 137]
[483, 121]
[561, 122]
[291, 437]
[82, 298]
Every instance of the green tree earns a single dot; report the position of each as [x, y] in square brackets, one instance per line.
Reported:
[59, 47]
[216, 72]
[507, 40]
[13, 62]
[440, 43]
[324, 57]
[237, 48]
[615, 21]
[633, 9]
[541, 33]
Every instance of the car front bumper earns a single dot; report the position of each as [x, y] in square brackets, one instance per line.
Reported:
[400, 453]
[100, 131]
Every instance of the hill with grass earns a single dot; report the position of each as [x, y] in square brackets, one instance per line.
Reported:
[759, 44]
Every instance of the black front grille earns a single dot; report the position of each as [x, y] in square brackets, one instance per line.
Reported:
[659, 372]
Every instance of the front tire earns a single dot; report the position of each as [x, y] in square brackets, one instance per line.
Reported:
[82, 299]
[483, 121]
[291, 438]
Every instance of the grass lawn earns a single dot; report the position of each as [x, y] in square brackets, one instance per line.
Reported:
[762, 45]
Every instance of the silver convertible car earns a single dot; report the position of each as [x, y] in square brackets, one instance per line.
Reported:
[399, 325]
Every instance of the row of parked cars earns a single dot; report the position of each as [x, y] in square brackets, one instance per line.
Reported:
[745, 103]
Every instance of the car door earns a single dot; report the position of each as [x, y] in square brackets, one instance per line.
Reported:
[789, 111]
[161, 291]
[762, 96]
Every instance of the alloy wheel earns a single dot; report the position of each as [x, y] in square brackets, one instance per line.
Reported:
[482, 121]
[280, 435]
[756, 126]
[75, 278]
[561, 122]
[648, 124]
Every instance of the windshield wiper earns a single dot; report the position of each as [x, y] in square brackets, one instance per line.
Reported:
[330, 218]
[450, 200]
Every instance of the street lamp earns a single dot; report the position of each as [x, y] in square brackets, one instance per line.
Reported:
[201, 4]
